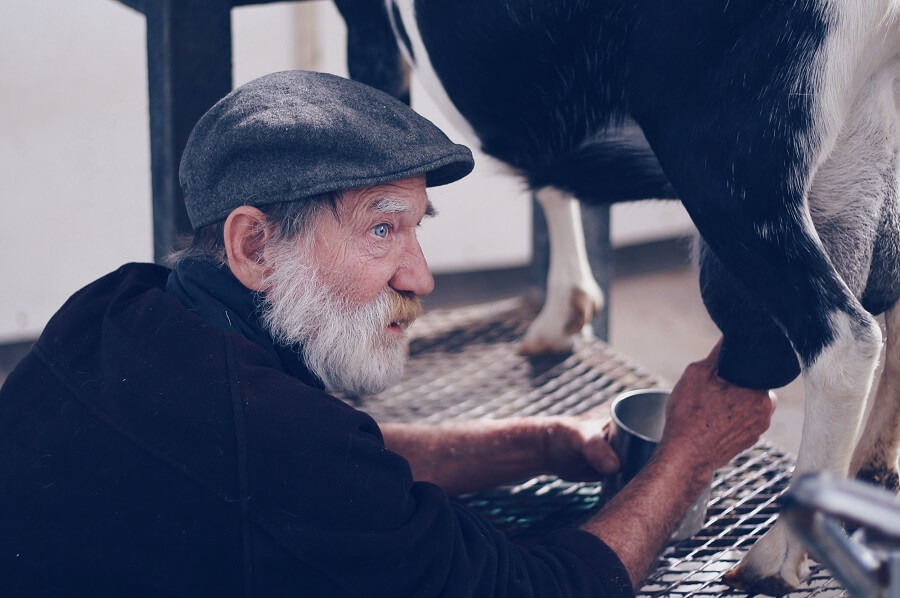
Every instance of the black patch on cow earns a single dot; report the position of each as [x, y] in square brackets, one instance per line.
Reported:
[538, 97]
[606, 171]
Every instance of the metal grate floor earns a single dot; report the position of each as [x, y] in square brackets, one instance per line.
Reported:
[463, 365]
[743, 505]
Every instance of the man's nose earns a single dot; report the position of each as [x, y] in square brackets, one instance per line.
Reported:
[413, 275]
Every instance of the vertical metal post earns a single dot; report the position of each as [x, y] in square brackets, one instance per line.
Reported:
[600, 256]
[540, 246]
[595, 221]
[189, 69]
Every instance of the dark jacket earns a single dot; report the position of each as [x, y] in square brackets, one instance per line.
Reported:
[145, 451]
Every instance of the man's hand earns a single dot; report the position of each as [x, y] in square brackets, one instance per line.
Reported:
[578, 447]
[708, 422]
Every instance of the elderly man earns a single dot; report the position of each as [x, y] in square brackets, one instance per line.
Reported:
[172, 432]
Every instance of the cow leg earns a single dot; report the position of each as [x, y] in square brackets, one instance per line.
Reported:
[838, 345]
[742, 157]
[845, 202]
[837, 382]
[573, 296]
[852, 202]
[875, 459]
[771, 247]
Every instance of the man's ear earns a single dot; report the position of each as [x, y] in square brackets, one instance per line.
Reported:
[246, 233]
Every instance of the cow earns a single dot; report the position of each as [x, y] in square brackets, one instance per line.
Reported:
[775, 122]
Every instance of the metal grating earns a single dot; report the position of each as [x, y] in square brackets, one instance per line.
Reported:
[463, 365]
[743, 505]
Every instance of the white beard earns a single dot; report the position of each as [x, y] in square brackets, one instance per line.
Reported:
[344, 345]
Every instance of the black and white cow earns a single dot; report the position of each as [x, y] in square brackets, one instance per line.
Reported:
[775, 122]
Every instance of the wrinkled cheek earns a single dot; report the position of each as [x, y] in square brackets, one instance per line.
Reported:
[360, 291]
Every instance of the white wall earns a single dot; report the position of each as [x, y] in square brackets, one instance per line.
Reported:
[74, 150]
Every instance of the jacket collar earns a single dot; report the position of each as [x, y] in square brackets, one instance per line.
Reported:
[214, 293]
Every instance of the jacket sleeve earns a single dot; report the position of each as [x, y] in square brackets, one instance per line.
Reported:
[324, 488]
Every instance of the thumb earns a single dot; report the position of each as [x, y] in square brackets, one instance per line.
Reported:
[713, 356]
[600, 454]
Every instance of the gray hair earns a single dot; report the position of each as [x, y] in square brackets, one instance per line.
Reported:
[290, 219]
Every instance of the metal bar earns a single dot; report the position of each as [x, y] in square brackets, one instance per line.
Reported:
[595, 221]
[189, 69]
[540, 247]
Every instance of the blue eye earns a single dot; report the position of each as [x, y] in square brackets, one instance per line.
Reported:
[381, 230]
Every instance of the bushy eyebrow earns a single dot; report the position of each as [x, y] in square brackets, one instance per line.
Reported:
[393, 205]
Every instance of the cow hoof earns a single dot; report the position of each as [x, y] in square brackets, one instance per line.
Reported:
[774, 566]
[561, 322]
[742, 581]
[880, 476]
[534, 348]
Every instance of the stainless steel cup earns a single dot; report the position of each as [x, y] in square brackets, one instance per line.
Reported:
[638, 419]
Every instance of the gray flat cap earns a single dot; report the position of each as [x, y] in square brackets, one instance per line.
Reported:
[295, 134]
